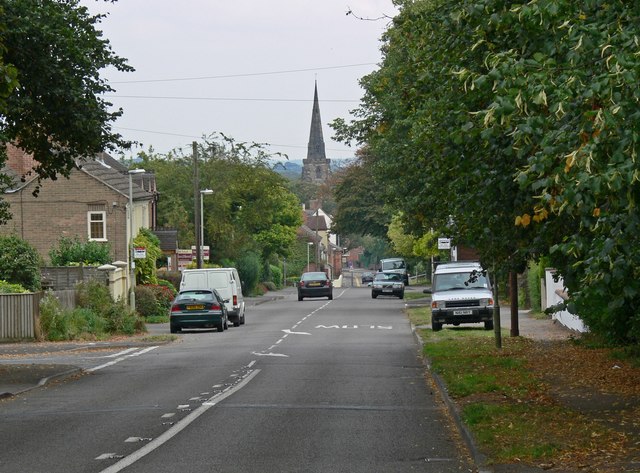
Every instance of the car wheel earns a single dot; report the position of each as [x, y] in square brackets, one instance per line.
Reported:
[330, 297]
[374, 295]
[488, 325]
[436, 326]
[236, 323]
[300, 297]
[220, 327]
[174, 328]
[242, 321]
[401, 295]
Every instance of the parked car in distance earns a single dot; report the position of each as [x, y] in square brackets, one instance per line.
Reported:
[460, 293]
[387, 284]
[367, 277]
[315, 284]
[198, 308]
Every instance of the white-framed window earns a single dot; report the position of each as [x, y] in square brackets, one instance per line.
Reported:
[97, 225]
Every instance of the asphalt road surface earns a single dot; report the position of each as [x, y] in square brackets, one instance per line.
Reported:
[311, 386]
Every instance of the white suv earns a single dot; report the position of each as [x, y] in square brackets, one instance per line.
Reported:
[461, 293]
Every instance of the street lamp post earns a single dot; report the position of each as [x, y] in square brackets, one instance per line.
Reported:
[132, 264]
[203, 192]
[309, 245]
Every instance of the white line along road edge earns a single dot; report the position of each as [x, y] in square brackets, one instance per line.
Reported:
[178, 427]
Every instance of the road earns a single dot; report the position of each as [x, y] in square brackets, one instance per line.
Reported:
[311, 386]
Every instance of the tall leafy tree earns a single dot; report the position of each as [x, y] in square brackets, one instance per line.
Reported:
[514, 127]
[55, 108]
[251, 208]
[360, 208]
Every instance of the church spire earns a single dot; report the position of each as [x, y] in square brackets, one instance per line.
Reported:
[316, 167]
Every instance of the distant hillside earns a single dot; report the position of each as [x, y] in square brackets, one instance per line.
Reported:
[290, 169]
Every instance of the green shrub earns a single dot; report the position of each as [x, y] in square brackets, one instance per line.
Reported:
[154, 300]
[52, 323]
[72, 251]
[19, 263]
[533, 283]
[146, 303]
[118, 316]
[169, 285]
[146, 271]
[8, 288]
[270, 286]
[93, 295]
[249, 271]
[276, 276]
[172, 277]
[120, 319]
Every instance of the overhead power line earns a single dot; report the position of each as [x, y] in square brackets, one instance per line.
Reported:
[231, 99]
[344, 150]
[249, 74]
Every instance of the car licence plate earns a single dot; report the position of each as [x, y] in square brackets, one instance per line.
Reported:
[462, 312]
[387, 290]
[314, 284]
[195, 307]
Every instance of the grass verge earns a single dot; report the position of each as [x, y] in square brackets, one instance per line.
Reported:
[514, 410]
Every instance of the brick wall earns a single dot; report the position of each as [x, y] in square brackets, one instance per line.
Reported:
[20, 161]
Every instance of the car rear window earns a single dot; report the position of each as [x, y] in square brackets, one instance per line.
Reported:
[195, 295]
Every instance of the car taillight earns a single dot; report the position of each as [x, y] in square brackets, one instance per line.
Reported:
[175, 308]
[235, 300]
[214, 307]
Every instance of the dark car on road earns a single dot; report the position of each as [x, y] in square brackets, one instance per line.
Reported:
[367, 277]
[198, 308]
[387, 284]
[315, 284]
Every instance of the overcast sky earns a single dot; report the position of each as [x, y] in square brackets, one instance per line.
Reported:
[245, 68]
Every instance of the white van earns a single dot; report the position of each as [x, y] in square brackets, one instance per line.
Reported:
[226, 281]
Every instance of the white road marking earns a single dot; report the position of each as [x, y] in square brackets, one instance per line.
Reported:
[177, 428]
[269, 354]
[126, 354]
[168, 415]
[289, 332]
[123, 352]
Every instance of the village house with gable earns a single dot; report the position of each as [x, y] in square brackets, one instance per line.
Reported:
[92, 204]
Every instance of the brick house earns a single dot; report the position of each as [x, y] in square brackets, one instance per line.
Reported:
[92, 204]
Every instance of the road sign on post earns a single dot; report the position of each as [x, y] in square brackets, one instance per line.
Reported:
[444, 243]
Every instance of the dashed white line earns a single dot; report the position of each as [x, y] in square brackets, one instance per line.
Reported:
[177, 428]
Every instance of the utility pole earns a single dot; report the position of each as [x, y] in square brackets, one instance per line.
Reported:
[196, 203]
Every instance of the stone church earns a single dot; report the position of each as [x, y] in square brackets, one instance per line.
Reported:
[316, 168]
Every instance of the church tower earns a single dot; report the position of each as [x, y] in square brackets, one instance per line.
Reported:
[316, 167]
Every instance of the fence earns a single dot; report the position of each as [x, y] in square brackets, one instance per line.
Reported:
[66, 277]
[19, 314]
